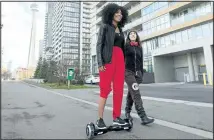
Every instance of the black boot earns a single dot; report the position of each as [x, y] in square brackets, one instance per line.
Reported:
[145, 120]
[128, 108]
[140, 109]
[128, 116]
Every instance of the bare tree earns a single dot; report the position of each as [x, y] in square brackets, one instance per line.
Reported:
[62, 71]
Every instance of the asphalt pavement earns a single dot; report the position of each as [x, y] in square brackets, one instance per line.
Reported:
[31, 112]
[177, 91]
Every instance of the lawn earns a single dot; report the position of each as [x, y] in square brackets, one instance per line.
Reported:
[64, 86]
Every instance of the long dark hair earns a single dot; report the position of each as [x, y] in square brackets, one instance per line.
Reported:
[109, 11]
[137, 39]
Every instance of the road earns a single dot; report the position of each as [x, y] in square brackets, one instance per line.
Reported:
[31, 112]
[187, 92]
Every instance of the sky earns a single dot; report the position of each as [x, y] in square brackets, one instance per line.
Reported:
[16, 18]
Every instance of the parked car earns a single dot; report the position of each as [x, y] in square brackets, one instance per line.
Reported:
[92, 79]
[13, 79]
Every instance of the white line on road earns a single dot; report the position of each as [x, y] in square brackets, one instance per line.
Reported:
[179, 127]
[200, 104]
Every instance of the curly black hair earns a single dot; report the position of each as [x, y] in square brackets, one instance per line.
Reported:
[109, 11]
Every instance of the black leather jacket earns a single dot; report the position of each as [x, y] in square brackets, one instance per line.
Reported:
[134, 58]
[105, 43]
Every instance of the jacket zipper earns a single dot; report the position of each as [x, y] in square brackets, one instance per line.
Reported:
[135, 61]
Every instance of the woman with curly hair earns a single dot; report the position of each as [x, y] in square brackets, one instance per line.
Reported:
[111, 63]
[134, 76]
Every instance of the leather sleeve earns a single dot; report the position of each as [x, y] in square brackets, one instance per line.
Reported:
[124, 50]
[100, 43]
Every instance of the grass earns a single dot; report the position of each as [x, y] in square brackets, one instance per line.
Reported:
[65, 86]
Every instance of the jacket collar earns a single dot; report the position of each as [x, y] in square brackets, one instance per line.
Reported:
[115, 26]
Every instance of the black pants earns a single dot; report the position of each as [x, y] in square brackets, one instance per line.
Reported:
[134, 95]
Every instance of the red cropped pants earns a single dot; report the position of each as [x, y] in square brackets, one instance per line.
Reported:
[114, 73]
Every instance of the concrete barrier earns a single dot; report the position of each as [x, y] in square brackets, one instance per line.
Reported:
[207, 78]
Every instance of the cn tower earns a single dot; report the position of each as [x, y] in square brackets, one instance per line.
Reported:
[32, 53]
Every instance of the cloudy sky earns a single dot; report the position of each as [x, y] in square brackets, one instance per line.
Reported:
[17, 20]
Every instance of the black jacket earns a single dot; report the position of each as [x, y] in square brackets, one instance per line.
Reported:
[134, 58]
[105, 43]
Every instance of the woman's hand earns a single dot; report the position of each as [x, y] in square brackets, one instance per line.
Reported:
[102, 68]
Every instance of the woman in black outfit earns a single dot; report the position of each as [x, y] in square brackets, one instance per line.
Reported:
[134, 76]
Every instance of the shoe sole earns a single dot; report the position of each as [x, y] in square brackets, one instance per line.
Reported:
[101, 127]
[115, 123]
[147, 123]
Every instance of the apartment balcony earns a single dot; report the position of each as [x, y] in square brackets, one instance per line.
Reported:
[86, 21]
[133, 23]
[99, 10]
[98, 21]
[187, 17]
[135, 8]
[140, 33]
[86, 11]
[100, 3]
[86, 42]
[86, 36]
[97, 29]
[124, 3]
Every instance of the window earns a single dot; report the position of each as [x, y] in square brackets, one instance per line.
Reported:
[172, 39]
[178, 37]
[198, 32]
[156, 24]
[155, 5]
[71, 9]
[147, 64]
[70, 29]
[71, 24]
[184, 35]
[206, 30]
[162, 26]
[162, 4]
[211, 26]
[152, 23]
[68, 18]
[70, 34]
[193, 33]
[74, 50]
[190, 34]
[167, 40]
[72, 14]
[162, 42]
[152, 44]
[149, 47]
[156, 43]
[68, 45]
[145, 51]
[70, 39]
[162, 19]
[208, 7]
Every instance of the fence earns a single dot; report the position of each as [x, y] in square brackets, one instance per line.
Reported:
[148, 78]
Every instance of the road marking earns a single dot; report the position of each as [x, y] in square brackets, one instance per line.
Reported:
[183, 128]
[200, 104]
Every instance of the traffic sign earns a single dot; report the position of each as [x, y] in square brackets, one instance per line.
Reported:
[70, 74]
